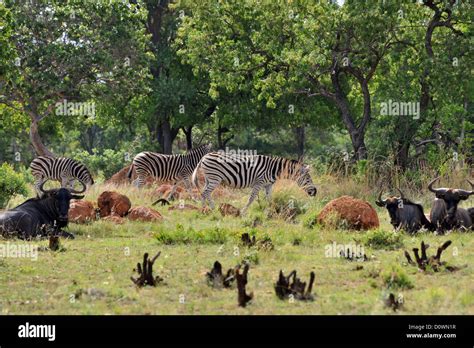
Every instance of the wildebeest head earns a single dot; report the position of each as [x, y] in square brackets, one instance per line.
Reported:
[392, 204]
[304, 180]
[450, 196]
[62, 197]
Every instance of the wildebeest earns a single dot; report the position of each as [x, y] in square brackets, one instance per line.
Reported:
[405, 214]
[41, 216]
[445, 214]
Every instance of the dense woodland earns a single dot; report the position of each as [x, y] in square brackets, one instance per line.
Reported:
[341, 84]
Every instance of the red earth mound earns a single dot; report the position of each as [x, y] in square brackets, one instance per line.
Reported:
[183, 207]
[121, 177]
[113, 203]
[228, 209]
[114, 219]
[141, 213]
[81, 212]
[350, 212]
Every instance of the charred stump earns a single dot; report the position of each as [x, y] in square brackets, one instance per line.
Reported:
[393, 302]
[284, 287]
[217, 279]
[54, 243]
[243, 298]
[247, 241]
[161, 201]
[434, 262]
[263, 244]
[145, 272]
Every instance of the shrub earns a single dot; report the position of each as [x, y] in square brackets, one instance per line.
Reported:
[11, 183]
[396, 278]
[103, 164]
[381, 239]
[288, 200]
[181, 235]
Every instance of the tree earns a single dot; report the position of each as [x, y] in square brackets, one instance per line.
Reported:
[66, 53]
[308, 48]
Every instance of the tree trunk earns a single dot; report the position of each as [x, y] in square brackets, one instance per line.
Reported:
[167, 142]
[40, 148]
[221, 141]
[188, 132]
[357, 133]
[300, 140]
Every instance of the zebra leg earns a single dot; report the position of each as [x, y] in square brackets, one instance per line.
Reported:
[38, 183]
[188, 186]
[208, 188]
[268, 191]
[140, 180]
[252, 197]
[70, 183]
[64, 181]
[173, 191]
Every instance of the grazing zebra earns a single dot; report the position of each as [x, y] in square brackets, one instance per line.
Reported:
[167, 168]
[255, 171]
[62, 169]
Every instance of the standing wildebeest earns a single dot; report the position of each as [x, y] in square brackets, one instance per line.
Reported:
[255, 171]
[404, 214]
[37, 217]
[445, 214]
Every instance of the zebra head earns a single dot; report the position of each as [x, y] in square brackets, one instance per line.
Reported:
[304, 180]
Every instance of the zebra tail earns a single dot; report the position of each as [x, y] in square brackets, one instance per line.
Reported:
[195, 178]
[130, 172]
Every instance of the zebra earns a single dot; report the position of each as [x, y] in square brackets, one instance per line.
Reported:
[255, 171]
[62, 169]
[167, 168]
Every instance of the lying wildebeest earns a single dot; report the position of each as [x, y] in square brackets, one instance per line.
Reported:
[404, 214]
[445, 214]
[40, 217]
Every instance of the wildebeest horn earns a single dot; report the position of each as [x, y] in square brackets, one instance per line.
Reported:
[466, 192]
[434, 190]
[41, 188]
[380, 202]
[82, 191]
[402, 196]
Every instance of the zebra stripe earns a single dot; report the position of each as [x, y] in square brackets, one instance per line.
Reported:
[167, 168]
[62, 169]
[255, 171]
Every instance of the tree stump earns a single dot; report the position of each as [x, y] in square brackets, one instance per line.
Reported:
[284, 288]
[145, 272]
[434, 262]
[243, 298]
[217, 279]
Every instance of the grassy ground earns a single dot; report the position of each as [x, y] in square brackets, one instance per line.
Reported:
[92, 274]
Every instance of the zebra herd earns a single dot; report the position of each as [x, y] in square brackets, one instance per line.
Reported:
[236, 171]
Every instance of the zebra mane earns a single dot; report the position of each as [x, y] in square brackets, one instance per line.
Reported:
[288, 167]
[198, 149]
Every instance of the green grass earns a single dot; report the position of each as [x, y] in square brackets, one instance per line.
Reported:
[92, 274]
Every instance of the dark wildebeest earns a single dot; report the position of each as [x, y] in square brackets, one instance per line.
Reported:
[404, 214]
[445, 214]
[40, 217]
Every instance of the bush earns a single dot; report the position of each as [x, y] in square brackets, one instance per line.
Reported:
[181, 235]
[381, 239]
[288, 200]
[103, 164]
[11, 183]
[396, 278]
